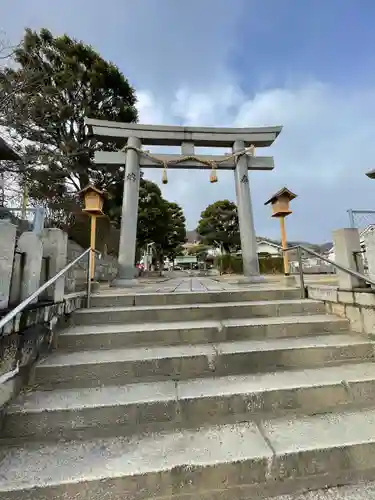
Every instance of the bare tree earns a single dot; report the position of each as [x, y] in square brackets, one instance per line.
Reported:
[11, 172]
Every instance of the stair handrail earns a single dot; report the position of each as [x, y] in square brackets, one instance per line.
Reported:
[340, 267]
[18, 309]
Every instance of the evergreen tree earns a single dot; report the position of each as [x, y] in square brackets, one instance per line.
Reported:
[219, 226]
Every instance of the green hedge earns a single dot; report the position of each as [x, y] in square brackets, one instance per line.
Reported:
[271, 265]
[229, 264]
[233, 264]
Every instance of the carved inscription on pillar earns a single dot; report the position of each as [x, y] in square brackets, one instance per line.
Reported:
[245, 179]
[131, 177]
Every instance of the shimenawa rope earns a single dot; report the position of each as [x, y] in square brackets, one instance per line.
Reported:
[210, 163]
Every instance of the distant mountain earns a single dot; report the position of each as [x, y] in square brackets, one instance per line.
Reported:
[192, 236]
[314, 246]
[326, 246]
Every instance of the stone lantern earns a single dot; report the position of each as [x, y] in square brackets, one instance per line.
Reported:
[280, 203]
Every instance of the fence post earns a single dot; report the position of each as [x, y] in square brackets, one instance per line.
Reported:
[55, 243]
[38, 224]
[7, 248]
[351, 218]
[369, 241]
[30, 244]
[347, 245]
[300, 269]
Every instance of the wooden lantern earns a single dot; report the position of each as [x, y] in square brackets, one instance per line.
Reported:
[280, 202]
[280, 208]
[93, 200]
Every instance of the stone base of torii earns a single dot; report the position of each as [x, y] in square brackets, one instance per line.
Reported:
[132, 137]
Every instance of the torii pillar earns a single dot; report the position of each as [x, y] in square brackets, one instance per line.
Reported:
[129, 217]
[245, 215]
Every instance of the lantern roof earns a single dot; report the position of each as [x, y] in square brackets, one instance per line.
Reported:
[89, 188]
[282, 192]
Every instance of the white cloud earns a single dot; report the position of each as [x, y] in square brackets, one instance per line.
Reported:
[149, 110]
[322, 153]
[211, 108]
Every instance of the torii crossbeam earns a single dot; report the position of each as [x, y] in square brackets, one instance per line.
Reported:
[130, 139]
[106, 158]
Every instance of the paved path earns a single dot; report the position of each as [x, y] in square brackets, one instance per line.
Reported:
[179, 285]
[183, 285]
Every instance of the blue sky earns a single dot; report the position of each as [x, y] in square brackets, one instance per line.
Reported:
[317, 38]
[308, 65]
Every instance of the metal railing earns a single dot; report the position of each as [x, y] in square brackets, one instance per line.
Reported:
[354, 219]
[301, 248]
[13, 313]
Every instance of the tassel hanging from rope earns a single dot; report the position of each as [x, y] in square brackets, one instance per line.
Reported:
[213, 175]
[164, 177]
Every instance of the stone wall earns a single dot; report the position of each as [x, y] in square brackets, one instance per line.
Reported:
[30, 336]
[106, 267]
[107, 236]
[358, 306]
[28, 260]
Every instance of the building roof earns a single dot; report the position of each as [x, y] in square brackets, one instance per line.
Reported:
[269, 243]
[6, 152]
[329, 250]
[282, 192]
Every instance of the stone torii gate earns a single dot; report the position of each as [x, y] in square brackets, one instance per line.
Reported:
[130, 139]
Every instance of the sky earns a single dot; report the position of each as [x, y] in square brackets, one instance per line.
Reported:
[308, 65]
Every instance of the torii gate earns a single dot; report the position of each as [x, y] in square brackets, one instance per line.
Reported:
[130, 139]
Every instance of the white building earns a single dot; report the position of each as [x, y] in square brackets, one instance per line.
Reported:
[362, 234]
[330, 254]
[368, 229]
[214, 252]
[268, 248]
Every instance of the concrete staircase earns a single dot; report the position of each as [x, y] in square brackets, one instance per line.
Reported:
[213, 396]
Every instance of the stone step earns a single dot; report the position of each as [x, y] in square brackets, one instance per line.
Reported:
[122, 366]
[117, 299]
[130, 409]
[363, 490]
[242, 460]
[196, 312]
[113, 336]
